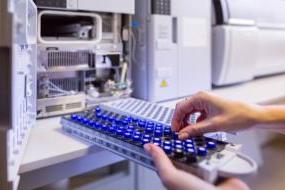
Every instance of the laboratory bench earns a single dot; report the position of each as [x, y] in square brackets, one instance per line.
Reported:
[52, 156]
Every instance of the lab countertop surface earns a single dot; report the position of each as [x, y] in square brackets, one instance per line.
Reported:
[48, 145]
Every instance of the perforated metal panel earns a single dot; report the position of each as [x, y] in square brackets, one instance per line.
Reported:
[65, 58]
[155, 113]
[144, 109]
[18, 55]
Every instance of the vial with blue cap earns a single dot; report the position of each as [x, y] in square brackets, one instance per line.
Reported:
[127, 136]
[188, 141]
[97, 109]
[147, 136]
[128, 119]
[149, 130]
[158, 126]
[175, 135]
[99, 115]
[111, 119]
[189, 146]
[84, 121]
[91, 123]
[79, 118]
[178, 153]
[119, 133]
[131, 127]
[130, 131]
[118, 121]
[167, 127]
[137, 139]
[74, 117]
[141, 123]
[158, 140]
[121, 128]
[167, 132]
[158, 133]
[191, 156]
[137, 133]
[104, 128]
[104, 117]
[178, 146]
[167, 143]
[150, 124]
[145, 141]
[97, 125]
[211, 145]
[168, 150]
[125, 122]
[178, 142]
[190, 151]
[135, 120]
[201, 151]
[114, 125]
[112, 130]
[94, 125]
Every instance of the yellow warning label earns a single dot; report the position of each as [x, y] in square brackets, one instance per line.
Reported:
[164, 84]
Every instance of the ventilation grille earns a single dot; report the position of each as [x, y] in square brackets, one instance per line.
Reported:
[69, 59]
[60, 107]
[54, 108]
[107, 23]
[67, 84]
[74, 105]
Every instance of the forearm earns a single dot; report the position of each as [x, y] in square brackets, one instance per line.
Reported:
[271, 118]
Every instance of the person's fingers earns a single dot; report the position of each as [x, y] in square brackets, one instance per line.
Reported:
[175, 179]
[233, 184]
[162, 162]
[171, 177]
[181, 111]
[184, 109]
[211, 125]
[198, 102]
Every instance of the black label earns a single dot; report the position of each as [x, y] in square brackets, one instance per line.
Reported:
[51, 3]
[161, 7]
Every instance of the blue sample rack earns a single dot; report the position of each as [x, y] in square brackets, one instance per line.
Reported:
[125, 132]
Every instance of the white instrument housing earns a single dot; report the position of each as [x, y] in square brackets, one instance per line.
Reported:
[248, 40]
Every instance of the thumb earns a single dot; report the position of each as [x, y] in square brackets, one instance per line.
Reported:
[233, 184]
[210, 125]
[160, 159]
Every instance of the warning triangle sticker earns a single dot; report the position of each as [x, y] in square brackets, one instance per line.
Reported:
[164, 84]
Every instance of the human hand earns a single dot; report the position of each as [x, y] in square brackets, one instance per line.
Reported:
[174, 179]
[218, 114]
